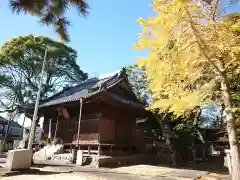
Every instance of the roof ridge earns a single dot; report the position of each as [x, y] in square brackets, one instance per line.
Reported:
[82, 84]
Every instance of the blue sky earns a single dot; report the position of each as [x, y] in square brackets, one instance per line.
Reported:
[104, 39]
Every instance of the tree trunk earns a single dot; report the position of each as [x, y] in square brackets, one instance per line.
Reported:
[34, 121]
[164, 123]
[227, 101]
[231, 128]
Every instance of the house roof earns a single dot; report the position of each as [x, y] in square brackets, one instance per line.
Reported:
[12, 123]
[87, 89]
[2, 119]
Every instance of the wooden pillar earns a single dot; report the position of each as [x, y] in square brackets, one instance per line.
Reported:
[194, 154]
[79, 121]
[24, 119]
[99, 150]
[89, 150]
[99, 127]
[50, 128]
[228, 161]
[203, 152]
[55, 133]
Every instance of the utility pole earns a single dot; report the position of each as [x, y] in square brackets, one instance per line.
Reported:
[34, 120]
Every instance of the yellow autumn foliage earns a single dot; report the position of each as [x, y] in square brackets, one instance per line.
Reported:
[180, 77]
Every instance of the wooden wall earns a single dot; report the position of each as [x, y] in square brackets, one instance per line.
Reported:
[101, 122]
[65, 128]
[117, 125]
[68, 129]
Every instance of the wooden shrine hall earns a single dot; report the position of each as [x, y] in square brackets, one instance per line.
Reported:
[97, 115]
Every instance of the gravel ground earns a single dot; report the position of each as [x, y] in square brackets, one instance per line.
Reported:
[82, 176]
[137, 172]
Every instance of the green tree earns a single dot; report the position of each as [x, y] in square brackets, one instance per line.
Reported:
[138, 80]
[20, 69]
[50, 12]
[193, 52]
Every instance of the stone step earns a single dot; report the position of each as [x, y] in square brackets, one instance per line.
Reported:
[3, 155]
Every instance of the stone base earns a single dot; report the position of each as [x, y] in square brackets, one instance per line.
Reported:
[79, 160]
[19, 159]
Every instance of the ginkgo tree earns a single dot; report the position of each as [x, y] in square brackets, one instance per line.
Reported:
[193, 57]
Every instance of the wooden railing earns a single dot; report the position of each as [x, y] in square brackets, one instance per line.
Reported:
[90, 138]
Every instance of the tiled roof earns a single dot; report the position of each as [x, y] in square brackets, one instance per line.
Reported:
[84, 90]
[2, 120]
[12, 123]
[126, 100]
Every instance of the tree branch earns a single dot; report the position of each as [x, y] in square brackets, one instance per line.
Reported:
[201, 44]
[226, 6]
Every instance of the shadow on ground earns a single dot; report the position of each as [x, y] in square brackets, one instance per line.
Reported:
[212, 165]
[31, 172]
[206, 166]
